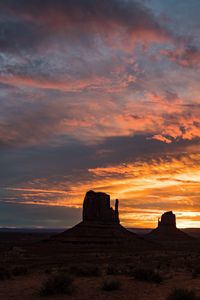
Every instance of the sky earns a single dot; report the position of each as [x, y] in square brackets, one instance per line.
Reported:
[102, 95]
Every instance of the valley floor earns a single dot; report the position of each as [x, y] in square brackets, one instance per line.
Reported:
[27, 287]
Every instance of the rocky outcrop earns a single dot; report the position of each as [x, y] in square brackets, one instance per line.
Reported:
[167, 230]
[100, 228]
[168, 219]
[96, 207]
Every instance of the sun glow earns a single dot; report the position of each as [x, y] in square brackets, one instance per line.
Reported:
[145, 190]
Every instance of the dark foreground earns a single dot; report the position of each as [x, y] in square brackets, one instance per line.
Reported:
[101, 273]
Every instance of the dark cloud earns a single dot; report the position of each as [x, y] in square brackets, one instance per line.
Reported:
[47, 216]
[17, 35]
[186, 57]
[127, 13]
[75, 16]
[71, 161]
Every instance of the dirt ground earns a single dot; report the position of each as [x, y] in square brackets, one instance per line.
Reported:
[176, 268]
[27, 287]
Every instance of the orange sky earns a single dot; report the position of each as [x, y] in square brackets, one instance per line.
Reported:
[145, 190]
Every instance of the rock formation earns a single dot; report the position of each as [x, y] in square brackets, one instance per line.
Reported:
[100, 227]
[168, 219]
[167, 230]
[96, 207]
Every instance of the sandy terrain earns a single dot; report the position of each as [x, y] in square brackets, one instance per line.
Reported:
[26, 287]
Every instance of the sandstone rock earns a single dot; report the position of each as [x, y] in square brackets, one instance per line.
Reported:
[100, 228]
[96, 207]
[167, 219]
[167, 230]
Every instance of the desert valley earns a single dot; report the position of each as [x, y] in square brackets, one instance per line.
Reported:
[100, 259]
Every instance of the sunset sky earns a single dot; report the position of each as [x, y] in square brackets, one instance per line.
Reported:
[102, 95]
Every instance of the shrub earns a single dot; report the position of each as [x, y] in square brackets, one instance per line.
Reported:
[58, 283]
[112, 270]
[48, 271]
[19, 270]
[111, 285]
[196, 272]
[4, 274]
[182, 294]
[147, 275]
[85, 271]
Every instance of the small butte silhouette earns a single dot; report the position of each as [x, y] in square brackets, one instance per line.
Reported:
[167, 230]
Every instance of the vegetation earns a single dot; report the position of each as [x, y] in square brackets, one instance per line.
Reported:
[182, 294]
[4, 274]
[58, 283]
[196, 271]
[147, 275]
[111, 285]
[19, 270]
[85, 271]
[112, 270]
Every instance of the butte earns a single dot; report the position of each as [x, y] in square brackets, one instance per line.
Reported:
[100, 228]
[167, 232]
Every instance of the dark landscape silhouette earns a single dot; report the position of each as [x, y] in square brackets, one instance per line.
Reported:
[101, 258]
[167, 230]
[100, 226]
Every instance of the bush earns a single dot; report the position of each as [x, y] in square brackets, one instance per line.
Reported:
[196, 272]
[4, 274]
[19, 270]
[111, 285]
[59, 283]
[112, 270]
[85, 271]
[182, 294]
[147, 275]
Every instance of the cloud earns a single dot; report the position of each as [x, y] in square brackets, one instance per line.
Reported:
[127, 21]
[17, 35]
[147, 187]
[170, 164]
[41, 120]
[104, 86]
[162, 138]
[188, 56]
[23, 216]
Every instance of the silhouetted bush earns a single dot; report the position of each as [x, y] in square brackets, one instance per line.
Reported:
[48, 271]
[4, 274]
[85, 271]
[182, 294]
[147, 275]
[112, 270]
[19, 270]
[111, 285]
[196, 271]
[58, 283]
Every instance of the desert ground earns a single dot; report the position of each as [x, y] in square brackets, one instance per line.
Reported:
[94, 273]
[27, 287]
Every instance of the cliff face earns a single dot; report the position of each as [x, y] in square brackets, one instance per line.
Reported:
[96, 207]
[168, 219]
[100, 228]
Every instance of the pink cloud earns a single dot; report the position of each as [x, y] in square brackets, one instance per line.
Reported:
[184, 56]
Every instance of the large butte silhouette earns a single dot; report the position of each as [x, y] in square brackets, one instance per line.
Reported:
[167, 230]
[100, 226]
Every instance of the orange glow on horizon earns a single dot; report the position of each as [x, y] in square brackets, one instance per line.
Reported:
[145, 190]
